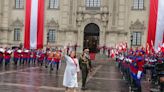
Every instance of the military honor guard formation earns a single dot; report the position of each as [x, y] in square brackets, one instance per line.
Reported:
[134, 64]
[137, 64]
[49, 59]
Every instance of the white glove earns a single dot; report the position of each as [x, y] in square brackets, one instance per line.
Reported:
[146, 59]
[121, 58]
[139, 74]
[130, 61]
[126, 59]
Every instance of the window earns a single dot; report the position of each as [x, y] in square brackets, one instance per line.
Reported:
[53, 4]
[19, 4]
[51, 35]
[138, 4]
[92, 3]
[17, 34]
[136, 39]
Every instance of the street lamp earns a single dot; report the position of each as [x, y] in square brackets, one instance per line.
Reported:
[75, 46]
[47, 38]
[131, 39]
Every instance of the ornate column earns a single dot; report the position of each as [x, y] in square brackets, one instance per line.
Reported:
[79, 20]
[104, 20]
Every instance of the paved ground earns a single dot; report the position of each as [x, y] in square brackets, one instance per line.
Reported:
[104, 78]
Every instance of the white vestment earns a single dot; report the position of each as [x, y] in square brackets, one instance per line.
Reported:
[70, 74]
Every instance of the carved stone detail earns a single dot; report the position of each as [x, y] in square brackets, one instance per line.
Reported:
[103, 12]
[17, 23]
[52, 23]
[137, 25]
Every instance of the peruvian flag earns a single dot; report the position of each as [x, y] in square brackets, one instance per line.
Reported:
[156, 23]
[34, 24]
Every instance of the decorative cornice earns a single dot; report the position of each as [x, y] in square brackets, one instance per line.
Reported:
[117, 32]
[4, 29]
[17, 23]
[137, 25]
[100, 10]
[52, 23]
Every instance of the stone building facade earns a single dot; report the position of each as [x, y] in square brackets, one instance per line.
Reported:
[67, 20]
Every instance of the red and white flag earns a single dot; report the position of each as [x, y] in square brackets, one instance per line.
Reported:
[156, 23]
[34, 24]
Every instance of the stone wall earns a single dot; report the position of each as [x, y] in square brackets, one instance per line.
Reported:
[115, 18]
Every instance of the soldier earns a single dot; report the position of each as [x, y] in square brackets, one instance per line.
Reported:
[34, 56]
[24, 56]
[16, 56]
[1, 55]
[46, 58]
[136, 68]
[41, 57]
[85, 66]
[57, 57]
[50, 59]
[29, 56]
[7, 56]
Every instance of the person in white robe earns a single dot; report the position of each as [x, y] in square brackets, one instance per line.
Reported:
[72, 69]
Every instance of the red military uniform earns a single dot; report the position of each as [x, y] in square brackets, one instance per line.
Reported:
[42, 55]
[41, 58]
[57, 56]
[1, 58]
[7, 57]
[136, 68]
[16, 54]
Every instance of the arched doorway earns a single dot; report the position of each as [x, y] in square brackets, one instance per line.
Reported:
[91, 37]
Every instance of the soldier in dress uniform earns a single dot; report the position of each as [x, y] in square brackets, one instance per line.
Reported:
[7, 57]
[1, 55]
[16, 56]
[136, 69]
[85, 66]
[57, 57]
[50, 58]
[29, 56]
[41, 57]
[24, 57]
[34, 56]
[46, 57]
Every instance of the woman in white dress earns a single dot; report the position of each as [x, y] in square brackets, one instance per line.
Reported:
[70, 75]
